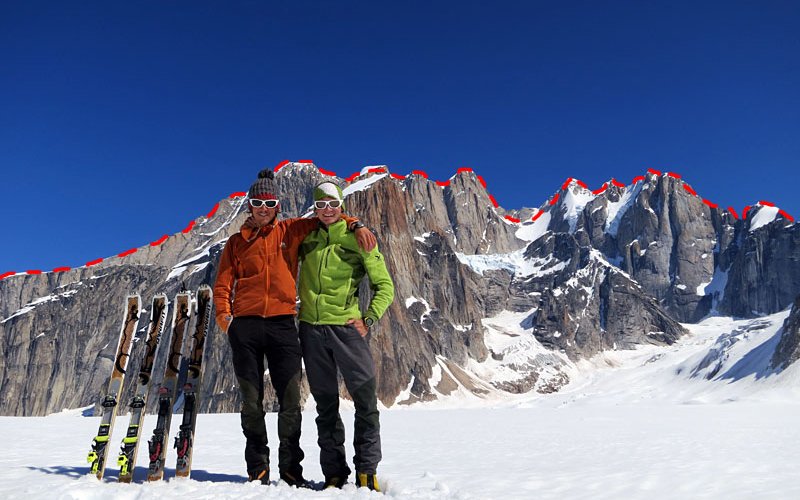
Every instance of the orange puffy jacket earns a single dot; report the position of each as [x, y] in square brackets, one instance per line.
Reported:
[258, 268]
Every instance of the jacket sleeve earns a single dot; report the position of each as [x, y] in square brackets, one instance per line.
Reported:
[380, 282]
[298, 228]
[223, 286]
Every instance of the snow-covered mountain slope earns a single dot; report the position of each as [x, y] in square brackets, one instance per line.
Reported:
[703, 418]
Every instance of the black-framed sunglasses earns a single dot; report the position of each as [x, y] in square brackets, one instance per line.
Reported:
[320, 204]
[255, 203]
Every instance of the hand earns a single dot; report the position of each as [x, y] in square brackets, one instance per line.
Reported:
[359, 325]
[366, 240]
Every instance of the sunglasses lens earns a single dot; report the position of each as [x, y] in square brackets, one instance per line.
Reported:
[255, 203]
[327, 203]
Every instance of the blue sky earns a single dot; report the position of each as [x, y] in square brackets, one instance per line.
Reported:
[122, 121]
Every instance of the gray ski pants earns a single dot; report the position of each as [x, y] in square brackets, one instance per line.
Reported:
[326, 347]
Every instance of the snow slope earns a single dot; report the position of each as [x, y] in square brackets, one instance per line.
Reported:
[704, 418]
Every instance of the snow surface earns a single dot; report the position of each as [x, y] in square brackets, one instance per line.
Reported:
[763, 216]
[532, 231]
[362, 184]
[703, 418]
[616, 209]
[41, 300]
[515, 262]
[575, 199]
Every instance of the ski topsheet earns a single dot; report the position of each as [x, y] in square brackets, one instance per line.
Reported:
[169, 387]
[138, 403]
[97, 457]
[184, 441]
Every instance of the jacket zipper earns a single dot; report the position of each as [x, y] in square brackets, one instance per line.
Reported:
[319, 271]
[266, 277]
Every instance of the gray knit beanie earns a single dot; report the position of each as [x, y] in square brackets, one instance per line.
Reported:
[264, 187]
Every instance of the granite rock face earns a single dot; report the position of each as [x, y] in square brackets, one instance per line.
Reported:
[482, 304]
[788, 350]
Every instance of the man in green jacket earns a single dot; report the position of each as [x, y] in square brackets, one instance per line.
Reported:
[333, 334]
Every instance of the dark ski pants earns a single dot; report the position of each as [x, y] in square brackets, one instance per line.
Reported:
[252, 338]
[324, 348]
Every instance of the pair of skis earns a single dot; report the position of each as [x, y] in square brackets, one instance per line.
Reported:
[167, 392]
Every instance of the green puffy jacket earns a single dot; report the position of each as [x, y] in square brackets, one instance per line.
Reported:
[333, 266]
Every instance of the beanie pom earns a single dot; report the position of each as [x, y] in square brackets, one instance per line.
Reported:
[266, 174]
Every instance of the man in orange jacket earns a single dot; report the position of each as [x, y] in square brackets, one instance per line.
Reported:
[255, 297]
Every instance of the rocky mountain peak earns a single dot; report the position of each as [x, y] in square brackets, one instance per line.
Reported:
[483, 303]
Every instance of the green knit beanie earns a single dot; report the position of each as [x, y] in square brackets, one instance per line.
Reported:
[328, 190]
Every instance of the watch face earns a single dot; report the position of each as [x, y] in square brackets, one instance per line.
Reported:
[368, 322]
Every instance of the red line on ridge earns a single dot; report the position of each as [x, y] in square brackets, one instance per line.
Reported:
[637, 179]
[689, 189]
[420, 172]
[188, 228]
[617, 183]
[281, 165]
[94, 262]
[159, 241]
[480, 179]
[6, 275]
[355, 174]
[653, 171]
[566, 183]
[61, 269]
[237, 194]
[582, 184]
[709, 203]
[555, 199]
[494, 202]
[464, 169]
[733, 212]
[538, 214]
[744, 212]
[674, 175]
[602, 189]
[378, 170]
[33, 271]
[443, 183]
[326, 172]
[766, 203]
[397, 176]
[213, 211]
[127, 252]
[512, 219]
[786, 215]
[306, 161]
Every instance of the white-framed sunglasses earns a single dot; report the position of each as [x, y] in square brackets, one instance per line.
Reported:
[255, 203]
[320, 204]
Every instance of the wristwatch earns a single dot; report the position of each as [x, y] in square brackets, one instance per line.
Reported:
[369, 322]
[356, 225]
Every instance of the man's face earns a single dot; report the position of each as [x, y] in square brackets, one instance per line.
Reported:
[262, 213]
[327, 213]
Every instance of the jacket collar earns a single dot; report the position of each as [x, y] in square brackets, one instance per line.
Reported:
[333, 226]
[249, 234]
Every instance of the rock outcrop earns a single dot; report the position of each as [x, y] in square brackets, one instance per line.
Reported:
[482, 304]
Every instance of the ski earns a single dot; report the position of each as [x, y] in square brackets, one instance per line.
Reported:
[184, 441]
[97, 457]
[167, 392]
[138, 403]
